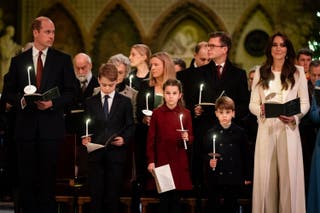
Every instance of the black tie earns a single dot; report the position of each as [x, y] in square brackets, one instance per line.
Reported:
[106, 106]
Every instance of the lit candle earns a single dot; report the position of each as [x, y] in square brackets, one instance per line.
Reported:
[87, 129]
[29, 68]
[200, 92]
[130, 81]
[181, 116]
[181, 125]
[214, 146]
[148, 94]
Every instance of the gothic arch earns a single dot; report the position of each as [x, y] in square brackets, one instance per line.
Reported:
[114, 31]
[68, 36]
[130, 12]
[180, 12]
[243, 22]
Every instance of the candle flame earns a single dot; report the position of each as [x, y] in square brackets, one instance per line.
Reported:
[214, 137]
[88, 120]
[201, 86]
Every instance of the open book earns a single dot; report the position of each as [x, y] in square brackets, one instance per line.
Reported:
[163, 178]
[94, 146]
[48, 95]
[273, 110]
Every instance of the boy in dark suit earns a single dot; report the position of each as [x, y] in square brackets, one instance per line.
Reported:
[111, 117]
[228, 171]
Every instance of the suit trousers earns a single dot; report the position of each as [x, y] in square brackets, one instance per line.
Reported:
[37, 171]
[105, 182]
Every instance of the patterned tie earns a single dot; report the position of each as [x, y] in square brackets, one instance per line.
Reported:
[39, 70]
[219, 71]
[83, 85]
[106, 106]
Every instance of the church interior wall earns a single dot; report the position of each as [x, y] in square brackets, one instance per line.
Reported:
[102, 28]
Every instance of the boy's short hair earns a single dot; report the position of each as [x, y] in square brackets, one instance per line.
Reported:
[224, 102]
[108, 71]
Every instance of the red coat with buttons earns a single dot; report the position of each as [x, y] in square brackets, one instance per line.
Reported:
[165, 146]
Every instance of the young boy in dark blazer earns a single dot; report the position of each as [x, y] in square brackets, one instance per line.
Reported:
[227, 172]
[111, 119]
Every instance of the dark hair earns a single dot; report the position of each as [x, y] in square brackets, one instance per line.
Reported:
[304, 51]
[315, 63]
[200, 45]
[180, 62]
[288, 68]
[173, 82]
[224, 102]
[225, 39]
[108, 71]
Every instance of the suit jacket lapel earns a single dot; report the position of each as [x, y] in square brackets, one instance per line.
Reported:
[98, 104]
[115, 102]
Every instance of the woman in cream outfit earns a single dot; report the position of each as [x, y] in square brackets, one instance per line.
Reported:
[278, 170]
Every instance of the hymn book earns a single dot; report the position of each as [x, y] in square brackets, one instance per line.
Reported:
[48, 95]
[273, 110]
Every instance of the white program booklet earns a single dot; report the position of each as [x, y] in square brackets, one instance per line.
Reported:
[163, 178]
[93, 146]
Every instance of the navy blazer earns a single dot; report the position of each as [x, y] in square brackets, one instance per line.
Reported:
[58, 71]
[119, 122]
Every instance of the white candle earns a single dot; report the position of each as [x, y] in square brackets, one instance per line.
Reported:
[148, 94]
[181, 116]
[181, 125]
[29, 81]
[214, 146]
[87, 129]
[221, 94]
[200, 93]
[130, 81]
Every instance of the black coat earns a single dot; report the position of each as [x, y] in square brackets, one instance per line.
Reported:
[232, 145]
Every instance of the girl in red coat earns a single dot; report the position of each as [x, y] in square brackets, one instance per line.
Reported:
[165, 145]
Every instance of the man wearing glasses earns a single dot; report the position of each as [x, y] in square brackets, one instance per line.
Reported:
[219, 76]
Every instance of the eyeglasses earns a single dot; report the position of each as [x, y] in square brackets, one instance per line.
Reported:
[213, 46]
[279, 45]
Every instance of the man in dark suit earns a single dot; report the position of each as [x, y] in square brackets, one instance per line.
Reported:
[226, 78]
[39, 126]
[111, 125]
[86, 82]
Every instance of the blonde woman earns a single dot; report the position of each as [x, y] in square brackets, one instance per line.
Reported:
[139, 59]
